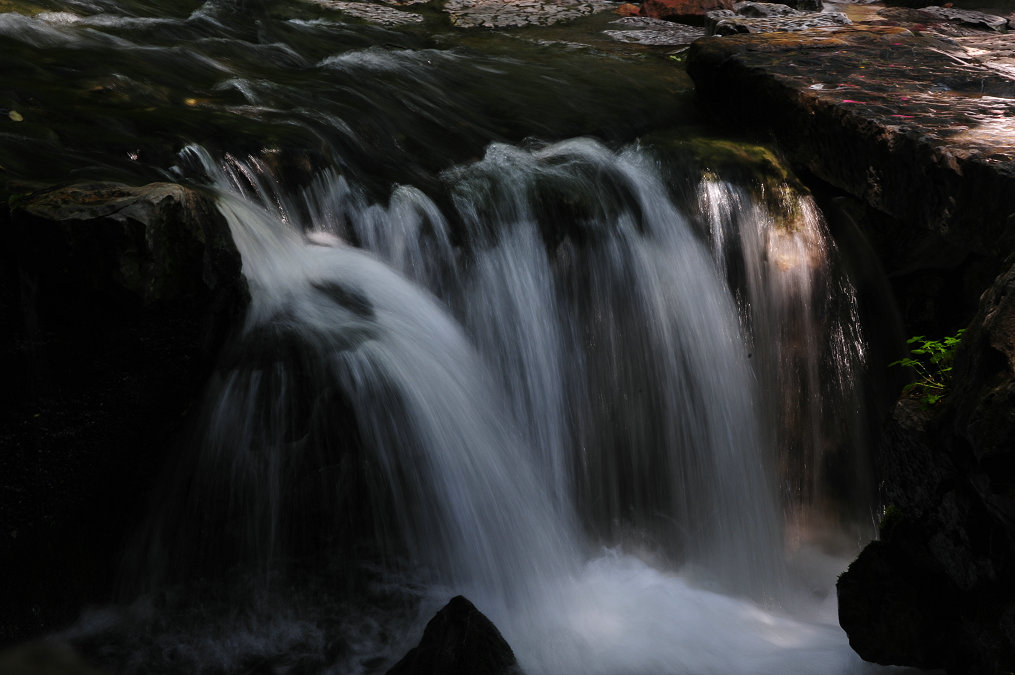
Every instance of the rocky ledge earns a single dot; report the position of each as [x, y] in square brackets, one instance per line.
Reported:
[918, 128]
[115, 300]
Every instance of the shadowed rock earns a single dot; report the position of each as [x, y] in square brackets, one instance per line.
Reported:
[459, 640]
[125, 295]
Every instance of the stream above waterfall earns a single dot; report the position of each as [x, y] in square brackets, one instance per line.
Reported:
[523, 327]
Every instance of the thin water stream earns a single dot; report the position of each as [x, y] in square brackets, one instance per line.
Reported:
[503, 342]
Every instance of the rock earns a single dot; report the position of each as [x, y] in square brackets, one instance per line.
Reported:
[459, 640]
[687, 11]
[918, 128]
[627, 9]
[646, 31]
[763, 17]
[518, 13]
[759, 10]
[937, 591]
[124, 297]
[374, 13]
[44, 658]
[969, 18]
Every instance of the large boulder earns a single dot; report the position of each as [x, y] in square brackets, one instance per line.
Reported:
[938, 589]
[115, 301]
[459, 640]
[916, 127]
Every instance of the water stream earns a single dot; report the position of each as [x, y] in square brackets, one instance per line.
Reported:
[503, 342]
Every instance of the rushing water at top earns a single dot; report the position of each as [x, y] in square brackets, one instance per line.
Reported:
[499, 344]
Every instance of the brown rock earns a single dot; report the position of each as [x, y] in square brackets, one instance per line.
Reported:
[686, 11]
[627, 9]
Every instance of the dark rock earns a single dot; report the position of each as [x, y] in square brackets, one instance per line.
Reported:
[938, 590]
[459, 640]
[44, 658]
[124, 296]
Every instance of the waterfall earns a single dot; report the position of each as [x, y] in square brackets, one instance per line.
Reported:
[568, 414]
[617, 403]
[800, 314]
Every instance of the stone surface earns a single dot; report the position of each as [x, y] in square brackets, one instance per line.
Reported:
[459, 640]
[116, 300]
[937, 590]
[648, 31]
[374, 13]
[759, 17]
[690, 11]
[919, 128]
[969, 17]
[518, 13]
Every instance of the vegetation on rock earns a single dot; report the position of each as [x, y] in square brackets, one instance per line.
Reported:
[931, 362]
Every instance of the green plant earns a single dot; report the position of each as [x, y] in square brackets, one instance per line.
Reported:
[931, 361]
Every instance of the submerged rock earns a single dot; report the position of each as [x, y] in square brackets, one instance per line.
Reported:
[459, 640]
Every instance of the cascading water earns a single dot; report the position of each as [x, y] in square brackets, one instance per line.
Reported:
[532, 372]
[801, 316]
[583, 454]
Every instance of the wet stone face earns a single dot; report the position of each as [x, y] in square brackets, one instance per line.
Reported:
[502, 14]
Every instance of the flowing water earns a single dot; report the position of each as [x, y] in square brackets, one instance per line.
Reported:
[508, 338]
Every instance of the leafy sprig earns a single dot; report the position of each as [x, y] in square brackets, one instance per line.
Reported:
[931, 361]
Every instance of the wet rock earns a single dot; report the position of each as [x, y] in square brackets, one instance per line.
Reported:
[374, 13]
[763, 17]
[920, 129]
[942, 21]
[937, 590]
[627, 9]
[688, 11]
[518, 13]
[969, 18]
[124, 296]
[459, 640]
[647, 31]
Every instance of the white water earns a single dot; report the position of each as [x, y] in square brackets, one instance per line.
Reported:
[585, 451]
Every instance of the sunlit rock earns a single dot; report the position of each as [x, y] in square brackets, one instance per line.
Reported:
[507, 14]
[763, 17]
[648, 31]
[917, 128]
[372, 12]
